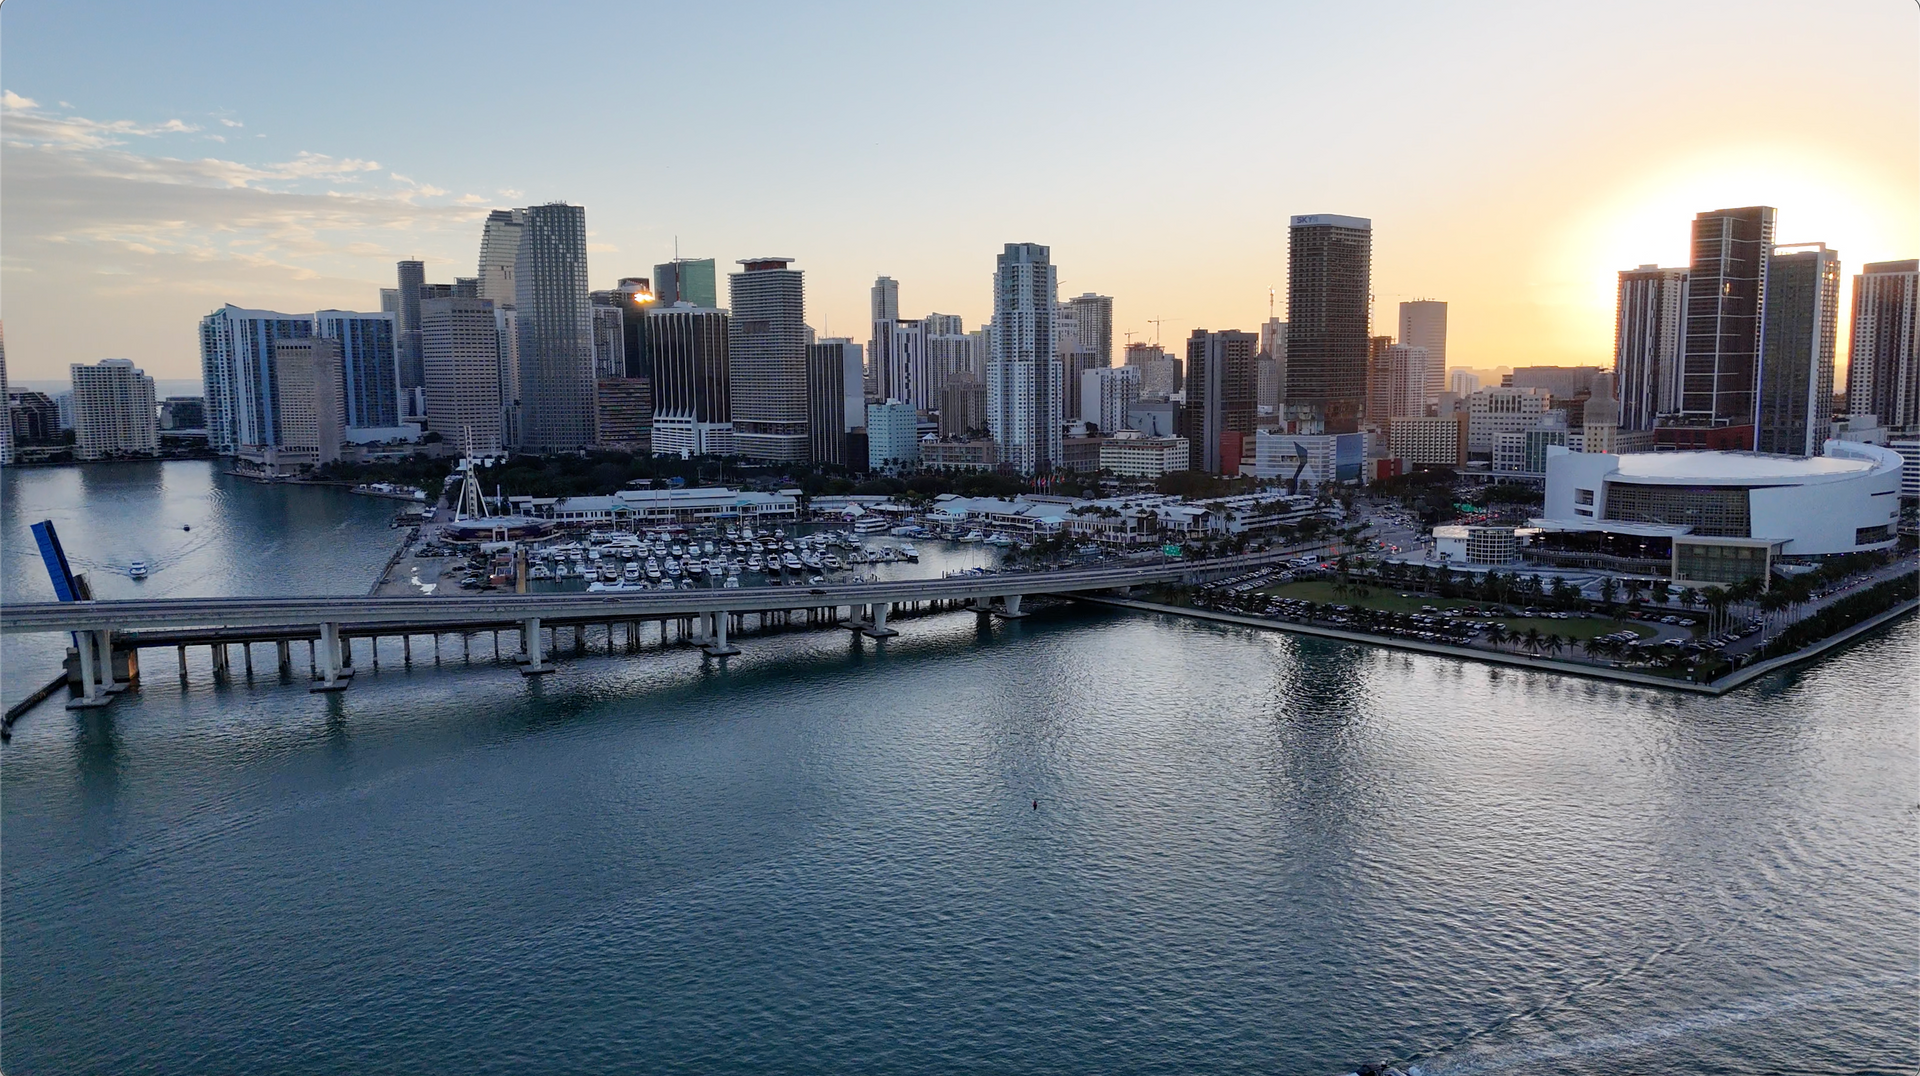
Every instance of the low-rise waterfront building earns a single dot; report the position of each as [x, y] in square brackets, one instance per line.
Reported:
[975, 454]
[661, 507]
[1131, 454]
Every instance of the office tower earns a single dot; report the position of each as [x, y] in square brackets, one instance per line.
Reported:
[1883, 368]
[1423, 323]
[390, 301]
[692, 401]
[1726, 298]
[963, 407]
[1270, 370]
[312, 423]
[1105, 395]
[636, 297]
[1376, 405]
[609, 335]
[460, 354]
[1161, 375]
[369, 366]
[1462, 382]
[623, 414]
[1561, 382]
[555, 329]
[1083, 340]
[1329, 267]
[1023, 380]
[6, 427]
[406, 334]
[836, 402]
[886, 299]
[893, 436]
[1219, 398]
[1492, 412]
[687, 280]
[1649, 329]
[236, 365]
[183, 413]
[943, 324]
[113, 410]
[767, 352]
[1794, 405]
[499, 251]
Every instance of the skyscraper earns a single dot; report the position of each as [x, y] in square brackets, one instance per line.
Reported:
[413, 275]
[113, 410]
[6, 421]
[1023, 380]
[1649, 328]
[1329, 271]
[836, 403]
[1795, 393]
[1423, 323]
[767, 350]
[555, 329]
[1106, 393]
[1270, 381]
[499, 252]
[313, 419]
[460, 353]
[609, 335]
[897, 357]
[369, 367]
[886, 299]
[1403, 391]
[1726, 297]
[236, 365]
[1883, 367]
[1083, 340]
[692, 402]
[687, 280]
[1093, 318]
[1219, 397]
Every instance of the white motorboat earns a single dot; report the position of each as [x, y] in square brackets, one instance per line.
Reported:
[910, 553]
[972, 536]
[137, 570]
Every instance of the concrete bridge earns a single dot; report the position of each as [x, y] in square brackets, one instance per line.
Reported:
[109, 634]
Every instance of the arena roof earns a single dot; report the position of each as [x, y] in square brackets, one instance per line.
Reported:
[1741, 467]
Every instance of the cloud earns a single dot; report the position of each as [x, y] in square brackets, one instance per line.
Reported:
[91, 223]
[225, 122]
[470, 199]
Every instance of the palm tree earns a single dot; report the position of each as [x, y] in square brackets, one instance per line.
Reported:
[1533, 640]
[1661, 591]
[1496, 633]
[1595, 648]
[1716, 599]
[1608, 590]
[1555, 644]
[1635, 588]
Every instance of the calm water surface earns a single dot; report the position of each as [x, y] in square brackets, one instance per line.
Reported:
[1252, 853]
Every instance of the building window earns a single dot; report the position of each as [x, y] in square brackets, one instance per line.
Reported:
[1713, 511]
[1870, 535]
[1583, 496]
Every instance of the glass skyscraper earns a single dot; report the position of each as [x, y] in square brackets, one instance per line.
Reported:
[555, 325]
[1329, 273]
[368, 365]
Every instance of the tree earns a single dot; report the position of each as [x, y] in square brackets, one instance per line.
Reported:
[1716, 599]
[1533, 640]
[1608, 590]
[1661, 591]
[1555, 644]
[1496, 633]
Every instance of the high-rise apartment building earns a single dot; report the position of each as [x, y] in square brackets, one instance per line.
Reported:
[113, 410]
[369, 366]
[555, 326]
[897, 359]
[236, 365]
[893, 436]
[609, 335]
[1726, 299]
[836, 400]
[1883, 367]
[1794, 409]
[1649, 330]
[1083, 341]
[1329, 272]
[412, 277]
[1423, 323]
[1093, 325]
[1106, 393]
[886, 299]
[767, 349]
[460, 354]
[6, 426]
[1406, 374]
[623, 414]
[1219, 397]
[1023, 380]
[963, 407]
[312, 424]
[499, 253]
[687, 280]
[1462, 382]
[692, 394]
[1161, 374]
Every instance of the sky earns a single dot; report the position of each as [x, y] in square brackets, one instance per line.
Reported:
[159, 160]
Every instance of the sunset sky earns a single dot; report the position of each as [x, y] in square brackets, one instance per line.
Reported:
[162, 159]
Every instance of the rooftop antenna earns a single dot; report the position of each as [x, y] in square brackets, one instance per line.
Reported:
[1269, 302]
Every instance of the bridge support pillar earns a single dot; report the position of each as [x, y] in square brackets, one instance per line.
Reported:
[95, 671]
[220, 659]
[878, 628]
[183, 661]
[406, 651]
[536, 660]
[246, 651]
[283, 650]
[1011, 607]
[333, 676]
[982, 606]
[716, 644]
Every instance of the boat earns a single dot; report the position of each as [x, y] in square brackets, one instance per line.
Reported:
[632, 572]
[791, 562]
[999, 538]
[972, 536]
[137, 570]
[856, 557]
[910, 553]
[869, 525]
[732, 583]
[756, 563]
[832, 561]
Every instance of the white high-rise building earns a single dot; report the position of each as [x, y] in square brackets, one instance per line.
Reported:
[1408, 371]
[1649, 329]
[1883, 373]
[313, 417]
[767, 353]
[113, 410]
[1423, 323]
[1106, 393]
[6, 426]
[499, 251]
[1463, 382]
[1023, 380]
[460, 351]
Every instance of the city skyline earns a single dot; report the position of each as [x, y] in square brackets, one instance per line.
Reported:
[1524, 212]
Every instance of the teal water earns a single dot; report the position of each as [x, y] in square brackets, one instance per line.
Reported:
[1252, 853]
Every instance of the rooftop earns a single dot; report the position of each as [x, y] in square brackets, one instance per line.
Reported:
[1736, 466]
